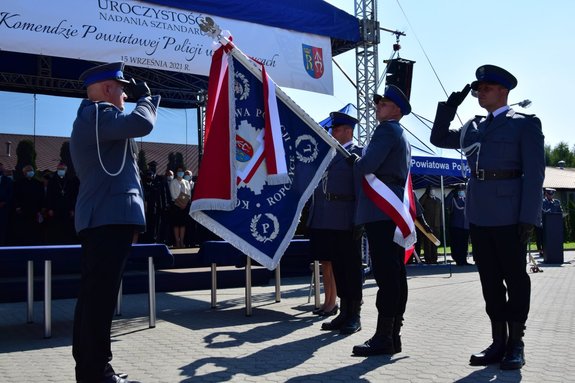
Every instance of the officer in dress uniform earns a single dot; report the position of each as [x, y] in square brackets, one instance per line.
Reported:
[458, 227]
[431, 205]
[388, 157]
[506, 155]
[109, 208]
[331, 223]
[550, 204]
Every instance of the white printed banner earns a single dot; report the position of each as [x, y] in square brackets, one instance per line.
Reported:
[156, 37]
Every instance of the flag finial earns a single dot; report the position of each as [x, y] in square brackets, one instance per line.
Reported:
[208, 26]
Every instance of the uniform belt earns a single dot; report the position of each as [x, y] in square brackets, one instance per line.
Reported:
[339, 197]
[504, 174]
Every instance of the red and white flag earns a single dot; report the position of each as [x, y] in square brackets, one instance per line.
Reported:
[263, 158]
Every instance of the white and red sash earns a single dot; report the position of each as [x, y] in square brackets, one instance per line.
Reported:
[401, 212]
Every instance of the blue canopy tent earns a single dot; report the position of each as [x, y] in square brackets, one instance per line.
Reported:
[58, 76]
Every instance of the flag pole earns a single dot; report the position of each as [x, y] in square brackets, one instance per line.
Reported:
[208, 26]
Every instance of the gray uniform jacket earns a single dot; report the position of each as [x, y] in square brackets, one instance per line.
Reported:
[388, 156]
[103, 199]
[334, 199]
[512, 141]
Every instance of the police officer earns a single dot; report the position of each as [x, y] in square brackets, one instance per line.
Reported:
[109, 208]
[331, 223]
[388, 157]
[506, 155]
[458, 227]
[431, 205]
[550, 204]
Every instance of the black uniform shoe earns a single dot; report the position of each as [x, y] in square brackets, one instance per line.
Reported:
[353, 322]
[335, 324]
[118, 379]
[494, 353]
[382, 341]
[375, 346]
[514, 357]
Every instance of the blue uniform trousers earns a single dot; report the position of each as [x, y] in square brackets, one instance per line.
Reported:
[388, 265]
[105, 250]
[502, 265]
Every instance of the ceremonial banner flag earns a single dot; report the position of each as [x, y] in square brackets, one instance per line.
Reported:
[263, 158]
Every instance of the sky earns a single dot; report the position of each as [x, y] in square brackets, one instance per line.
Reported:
[448, 40]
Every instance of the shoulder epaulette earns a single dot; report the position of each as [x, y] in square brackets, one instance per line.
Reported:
[525, 114]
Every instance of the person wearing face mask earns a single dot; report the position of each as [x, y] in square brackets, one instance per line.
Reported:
[61, 195]
[432, 212]
[6, 193]
[458, 227]
[181, 194]
[109, 208]
[28, 201]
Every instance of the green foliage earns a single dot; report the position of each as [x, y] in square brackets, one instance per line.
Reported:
[560, 152]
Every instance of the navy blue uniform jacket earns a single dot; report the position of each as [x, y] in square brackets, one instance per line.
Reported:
[388, 156]
[103, 199]
[512, 141]
[330, 214]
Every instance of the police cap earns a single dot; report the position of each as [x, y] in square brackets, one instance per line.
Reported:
[494, 74]
[394, 94]
[111, 71]
[339, 118]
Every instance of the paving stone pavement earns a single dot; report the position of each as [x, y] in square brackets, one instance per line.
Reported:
[282, 342]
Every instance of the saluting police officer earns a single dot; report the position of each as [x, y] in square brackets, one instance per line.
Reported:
[388, 157]
[109, 208]
[505, 152]
[331, 223]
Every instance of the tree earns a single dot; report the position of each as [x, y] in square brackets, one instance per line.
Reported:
[561, 152]
[26, 154]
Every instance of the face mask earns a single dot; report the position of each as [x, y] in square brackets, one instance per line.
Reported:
[187, 178]
[180, 174]
[61, 173]
[170, 178]
[461, 194]
[30, 174]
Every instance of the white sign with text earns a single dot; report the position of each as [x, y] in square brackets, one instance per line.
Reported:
[157, 37]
